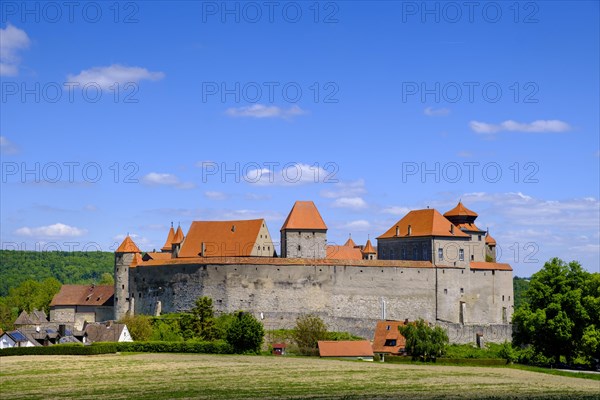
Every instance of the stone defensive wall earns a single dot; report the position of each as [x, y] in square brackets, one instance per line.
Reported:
[350, 295]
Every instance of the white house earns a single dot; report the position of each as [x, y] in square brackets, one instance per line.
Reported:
[16, 339]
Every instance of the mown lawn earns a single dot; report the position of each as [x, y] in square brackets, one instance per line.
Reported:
[156, 376]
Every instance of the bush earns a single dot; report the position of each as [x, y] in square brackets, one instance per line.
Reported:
[424, 342]
[192, 346]
[308, 331]
[61, 349]
[245, 333]
[139, 326]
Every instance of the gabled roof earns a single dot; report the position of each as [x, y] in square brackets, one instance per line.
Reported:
[368, 249]
[103, 332]
[21, 337]
[178, 238]
[156, 256]
[128, 246]
[460, 211]
[222, 238]
[491, 266]
[350, 242]
[345, 348]
[388, 330]
[468, 226]
[426, 222]
[170, 237]
[490, 240]
[304, 215]
[84, 295]
[137, 260]
[36, 317]
[344, 252]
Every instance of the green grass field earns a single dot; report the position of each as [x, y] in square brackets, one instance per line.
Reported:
[155, 376]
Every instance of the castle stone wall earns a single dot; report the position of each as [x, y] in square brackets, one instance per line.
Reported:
[348, 298]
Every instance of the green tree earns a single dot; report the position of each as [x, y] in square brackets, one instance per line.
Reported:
[561, 305]
[308, 331]
[204, 319]
[139, 326]
[424, 342]
[245, 333]
[520, 286]
[106, 279]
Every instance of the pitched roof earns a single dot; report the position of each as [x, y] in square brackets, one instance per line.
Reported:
[350, 242]
[304, 215]
[345, 348]
[368, 249]
[460, 210]
[222, 238]
[490, 266]
[103, 332]
[36, 317]
[490, 240]
[20, 336]
[128, 246]
[157, 256]
[468, 226]
[427, 222]
[137, 259]
[344, 252]
[178, 238]
[388, 330]
[170, 237]
[84, 295]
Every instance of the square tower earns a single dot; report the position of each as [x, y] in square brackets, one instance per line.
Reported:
[304, 233]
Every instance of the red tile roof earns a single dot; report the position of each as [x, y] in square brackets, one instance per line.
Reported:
[221, 238]
[84, 295]
[490, 266]
[343, 253]
[170, 237]
[178, 238]
[368, 249]
[388, 330]
[350, 243]
[128, 246]
[137, 259]
[345, 348]
[157, 256]
[460, 210]
[427, 222]
[490, 240]
[304, 215]
[466, 226]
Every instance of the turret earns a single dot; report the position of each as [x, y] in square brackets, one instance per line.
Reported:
[126, 256]
[368, 252]
[304, 233]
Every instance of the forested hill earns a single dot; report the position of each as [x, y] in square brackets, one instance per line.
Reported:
[67, 267]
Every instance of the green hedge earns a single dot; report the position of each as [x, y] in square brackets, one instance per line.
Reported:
[61, 349]
[216, 347]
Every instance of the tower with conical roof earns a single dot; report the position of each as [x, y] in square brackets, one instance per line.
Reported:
[304, 233]
[368, 252]
[127, 256]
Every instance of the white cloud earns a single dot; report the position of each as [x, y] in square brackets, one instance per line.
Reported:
[56, 230]
[160, 179]
[345, 189]
[12, 41]
[539, 126]
[354, 203]
[6, 146]
[90, 207]
[358, 225]
[291, 174]
[262, 111]
[396, 210]
[108, 76]
[464, 154]
[436, 112]
[215, 195]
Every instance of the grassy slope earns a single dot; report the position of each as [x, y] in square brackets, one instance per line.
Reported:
[155, 376]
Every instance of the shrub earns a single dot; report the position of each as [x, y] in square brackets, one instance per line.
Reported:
[139, 326]
[308, 331]
[423, 341]
[245, 333]
[62, 349]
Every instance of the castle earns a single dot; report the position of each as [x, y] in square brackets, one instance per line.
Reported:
[441, 268]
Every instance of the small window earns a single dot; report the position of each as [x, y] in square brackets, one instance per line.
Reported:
[480, 238]
[502, 297]
[462, 290]
[268, 248]
[445, 291]
[298, 247]
[461, 254]
[388, 328]
[472, 257]
[122, 286]
[441, 254]
[508, 298]
[390, 342]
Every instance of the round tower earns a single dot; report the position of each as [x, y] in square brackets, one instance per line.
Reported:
[125, 256]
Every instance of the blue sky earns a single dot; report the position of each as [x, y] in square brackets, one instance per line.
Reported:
[121, 119]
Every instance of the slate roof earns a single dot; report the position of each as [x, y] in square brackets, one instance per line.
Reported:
[84, 295]
[345, 348]
[304, 215]
[103, 332]
[36, 317]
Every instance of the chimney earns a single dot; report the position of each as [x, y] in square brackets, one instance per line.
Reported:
[409, 230]
[232, 228]
[397, 230]
[452, 229]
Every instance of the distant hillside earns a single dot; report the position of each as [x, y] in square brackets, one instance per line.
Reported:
[67, 267]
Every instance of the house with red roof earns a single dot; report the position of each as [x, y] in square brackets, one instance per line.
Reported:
[74, 305]
[346, 349]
